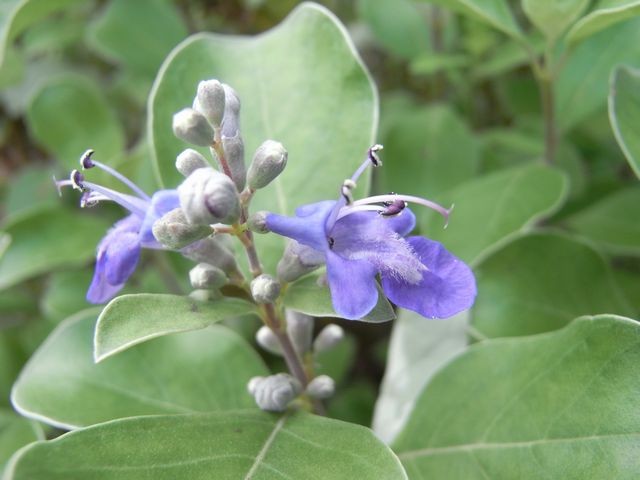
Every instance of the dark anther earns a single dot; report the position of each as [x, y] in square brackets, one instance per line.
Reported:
[331, 242]
[76, 180]
[85, 159]
[393, 208]
[373, 155]
[347, 186]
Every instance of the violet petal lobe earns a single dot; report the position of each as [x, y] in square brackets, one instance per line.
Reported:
[122, 257]
[353, 286]
[100, 290]
[447, 287]
[403, 224]
[307, 227]
[163, 201]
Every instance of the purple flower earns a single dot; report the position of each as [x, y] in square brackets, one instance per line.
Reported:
[362, 239]
[119, 251]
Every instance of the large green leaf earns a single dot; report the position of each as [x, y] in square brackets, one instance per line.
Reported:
[190, 372]
[541, 282]
[494, 12]
[302, 83]
[229, 445]
[583, 83]
[71, 114]
[48, 240]
[605, 14]
[15, 432]
[559, 405]
[65, 293]
[624, 113]
[131, 319]
[553, 17]
[494, 208]
[308, 295]
[613, 222]
[30, 190]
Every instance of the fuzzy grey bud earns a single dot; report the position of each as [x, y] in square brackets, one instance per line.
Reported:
[210, 250]
[173, 230]
[328, 338]
[231, 119]
[321, 387]
[234, 154]
[268, 162]
[205, 295]
[189, 160]
[268, 340]
[208, 196]
[204, 276]
[275, 392]
[211, 101]
[300, 330]
[297, 260]
[257, 222]
[265, 288]
[192, 127]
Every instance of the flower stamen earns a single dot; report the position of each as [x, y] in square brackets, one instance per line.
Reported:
[86, 161]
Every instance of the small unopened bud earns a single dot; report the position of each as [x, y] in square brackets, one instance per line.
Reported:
[192, 127]
[173, 230]
[231, 119]
[189, 160]
[328, 338]
[257, 222]
[268, 340]
[275, 392]
[205, 295]
[211, 101]
[300, 331]
[268, 162]
[265, 288]
[234, 154]
[208, 196]
[210, 250]
[321, 387]
[297, 260]
[204, 276]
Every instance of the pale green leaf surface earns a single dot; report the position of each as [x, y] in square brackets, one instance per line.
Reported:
[540, 282]
[494, 208]
[15, 432]
[605, 14]
[613, 222]
[496, 13]
[307, 296]
[230, 445]
[624, 113]
[553, 17]
[199, 371]
[48, 240]
[558, 405]
[301, 83]
[131, 319]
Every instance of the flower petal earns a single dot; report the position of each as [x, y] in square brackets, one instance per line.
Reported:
[100, 290]
[121, 257]
[447, 287]
[353, 286]
[163, 201]
[307, 227]
[403, 223]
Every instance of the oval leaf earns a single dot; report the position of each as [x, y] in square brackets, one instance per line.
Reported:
[624, 113]
[553, 17]
[189, 372]
[496, 13]
[15, 432]
[605, 14]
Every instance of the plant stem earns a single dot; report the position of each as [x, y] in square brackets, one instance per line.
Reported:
[548, 111]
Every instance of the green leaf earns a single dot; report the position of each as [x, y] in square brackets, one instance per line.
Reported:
[418, 349]
[407, 36]
[559, 405]
[613, 222]
[427, 152]
[65, 294]
[605, 14]
[199, 371]
[132, 319]
[494, 208]
[541, 282]
[624, 113]
[325, 126]
[553, 17]
[48, 240]
[493, 12]
[30, 190]
[307, 296]
[70, 114]
[15, 432]
[583, 83]
[153, 26]
[230, 445]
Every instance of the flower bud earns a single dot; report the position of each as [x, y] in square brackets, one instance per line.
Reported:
[208, 196]
[257, 222]
[328, 338]
[275, 392]
[268, 162]
[321, 387]
[191, 126]
[297, 260]
[300, 330]
[205, 276]
[268, 340]
[234, 154]
[210, 250]
[265, 288]
[173, 230]
[189, 160]
[231, 119]
[211, 101]
[205, 295]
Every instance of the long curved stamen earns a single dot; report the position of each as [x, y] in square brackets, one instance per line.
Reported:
[362, 208]
[87, 162]
[61, 183]
[133, 204]
[407, 198]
